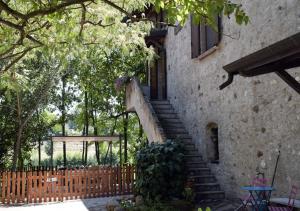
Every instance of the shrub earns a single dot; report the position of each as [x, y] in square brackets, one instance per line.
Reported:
[160, 170]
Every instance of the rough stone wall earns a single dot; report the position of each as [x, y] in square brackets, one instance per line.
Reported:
[256, 116]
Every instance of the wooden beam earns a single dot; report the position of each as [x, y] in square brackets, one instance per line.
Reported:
[290, 80]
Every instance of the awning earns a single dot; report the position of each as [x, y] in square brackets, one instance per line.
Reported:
[277, 58]
[85, 138]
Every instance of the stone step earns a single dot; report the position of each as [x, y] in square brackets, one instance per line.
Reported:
[200, 164]
[160, 102]
[169, 124]
[188, 142]
[195, 171]
[202, 178]
[175, 130]
[183, 136]
[162, 106]
[189, 147]
[172, 125]
[206, 187]
[187, 139]
[210, 195]
[165, 121]
[191, 157]
[164, 111]
[166, 116]
[192, 152]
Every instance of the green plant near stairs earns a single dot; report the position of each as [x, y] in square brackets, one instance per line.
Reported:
[160, 170]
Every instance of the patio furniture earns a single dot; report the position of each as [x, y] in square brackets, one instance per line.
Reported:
[248, 199]
[260, 196]
[291, 201]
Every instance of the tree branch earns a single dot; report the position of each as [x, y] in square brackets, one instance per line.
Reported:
[117, 7]
[10, 11]
[98, 24]
[34, 40]
[40, 12]
[53, 9]
[11, 24]
[47, 24]
[23, 53]
[82, 22]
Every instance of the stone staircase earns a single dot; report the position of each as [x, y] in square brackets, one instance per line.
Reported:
[205, 183]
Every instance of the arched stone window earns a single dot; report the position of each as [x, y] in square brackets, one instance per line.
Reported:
[212, 144]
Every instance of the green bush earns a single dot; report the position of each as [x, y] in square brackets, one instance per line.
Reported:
[160, 171]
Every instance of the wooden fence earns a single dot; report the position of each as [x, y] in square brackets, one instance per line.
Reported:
[58, 185]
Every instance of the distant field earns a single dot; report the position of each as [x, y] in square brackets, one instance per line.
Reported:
[74, 149]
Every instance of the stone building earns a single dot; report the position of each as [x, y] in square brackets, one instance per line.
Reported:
[239, 130]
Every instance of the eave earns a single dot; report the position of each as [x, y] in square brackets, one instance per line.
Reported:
[156, 36]
[277, 58]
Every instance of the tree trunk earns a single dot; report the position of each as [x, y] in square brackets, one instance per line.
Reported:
[17, 147]
[51, 153]
[83, 146]
[40, 151]
[94, 119]
[39, 139]
[125, 125]
[63, 126]
[86, 124]
[22, 122]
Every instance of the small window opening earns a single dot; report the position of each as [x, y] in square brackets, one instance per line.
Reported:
[213, 143]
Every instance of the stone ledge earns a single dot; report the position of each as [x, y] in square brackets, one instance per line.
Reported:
[207, 53]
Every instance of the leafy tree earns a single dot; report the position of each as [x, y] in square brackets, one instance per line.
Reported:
[58, 26]
[22, 98]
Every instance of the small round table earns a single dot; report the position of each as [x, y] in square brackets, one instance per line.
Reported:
[260, 196]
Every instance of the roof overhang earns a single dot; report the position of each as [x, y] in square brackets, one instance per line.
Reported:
[156, 36]
[85, 138]
[277, 58]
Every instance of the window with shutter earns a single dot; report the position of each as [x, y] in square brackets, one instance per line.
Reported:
[204, 37]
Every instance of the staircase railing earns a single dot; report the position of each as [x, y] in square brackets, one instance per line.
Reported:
[136, 101]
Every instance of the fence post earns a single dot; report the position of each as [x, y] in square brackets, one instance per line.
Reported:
[24, 181]
[29, 186]
[3, 177]
[18, 186]
[62, 184]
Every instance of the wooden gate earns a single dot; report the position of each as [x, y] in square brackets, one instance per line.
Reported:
[59, 185]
